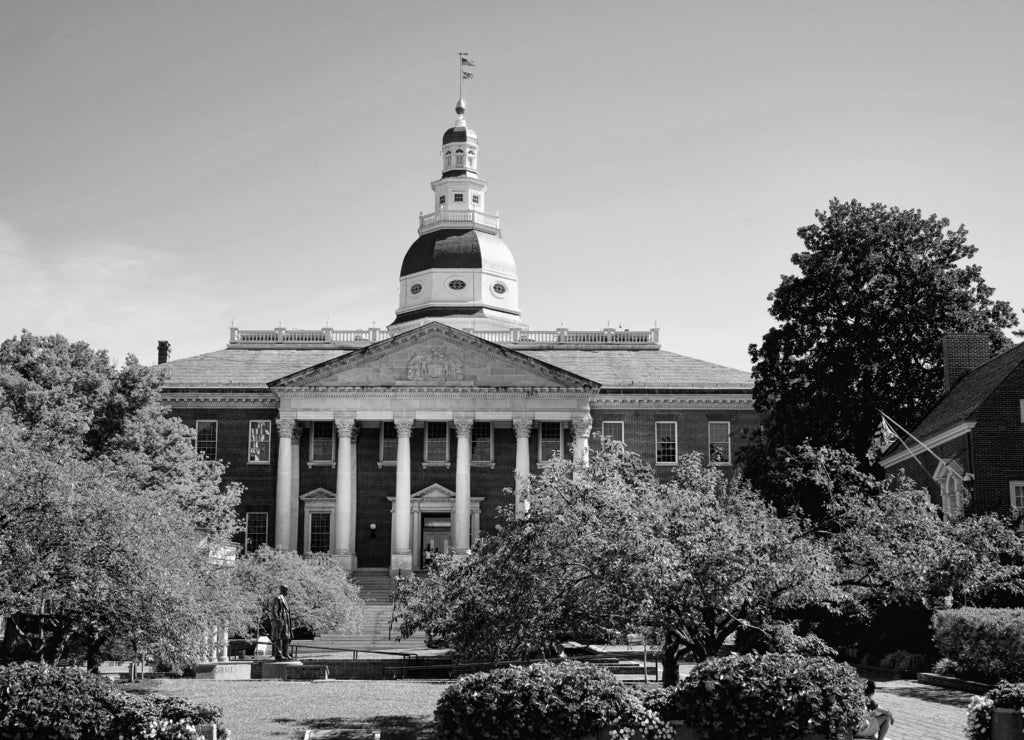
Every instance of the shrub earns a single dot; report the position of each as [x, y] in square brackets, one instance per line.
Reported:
[773, 696]
[903, 660]
[39, 701]
[987, 644]
[1005, 695]
[782, 638]
[544, 700]
[946, 667]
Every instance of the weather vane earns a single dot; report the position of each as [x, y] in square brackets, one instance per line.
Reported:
[464, 74]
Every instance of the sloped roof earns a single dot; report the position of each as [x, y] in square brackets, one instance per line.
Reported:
[628, 369]
[966, 396]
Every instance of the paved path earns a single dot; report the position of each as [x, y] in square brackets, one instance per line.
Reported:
[923, 712]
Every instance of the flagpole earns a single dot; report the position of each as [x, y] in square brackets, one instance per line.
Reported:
[925, 447]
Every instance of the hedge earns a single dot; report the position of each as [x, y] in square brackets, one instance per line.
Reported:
[984, 644]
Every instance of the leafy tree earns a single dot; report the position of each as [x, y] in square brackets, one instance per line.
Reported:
[321, 596]
[859, 328]
[609, 546]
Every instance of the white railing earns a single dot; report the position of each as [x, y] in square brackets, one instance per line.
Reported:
[521, 338]
[466, 217]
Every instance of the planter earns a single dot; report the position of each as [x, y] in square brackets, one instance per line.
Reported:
[1007, 724]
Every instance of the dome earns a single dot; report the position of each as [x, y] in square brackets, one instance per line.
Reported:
[448, 249]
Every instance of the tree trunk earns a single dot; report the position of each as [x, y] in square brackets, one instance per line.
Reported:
[670, 659]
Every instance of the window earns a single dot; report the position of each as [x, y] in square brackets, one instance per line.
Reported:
[457, 284]
[665, 442]
[476, 199]
[435, 444]
[460, 158]
[614, 430]
[447, 160]
[482, 447]
[950, 476]
[499, 289]
[259, 441]
[320, 531]
[416, 288]
[206, 438]
[255, 530]
[472, 158]
[388, 442]
[1017, 495]
[549, 440]
[457, 197]
[321, 449]
[719, 445]
[440, 200]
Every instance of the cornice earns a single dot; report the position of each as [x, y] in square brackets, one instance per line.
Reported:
[218, 399]
[738, 402]
[429, 392]
[947, 435]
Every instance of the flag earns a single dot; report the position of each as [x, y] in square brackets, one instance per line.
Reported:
[467, 75]
[882, 440]
[468, 63]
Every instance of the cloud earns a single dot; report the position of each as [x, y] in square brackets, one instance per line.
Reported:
[115, 296]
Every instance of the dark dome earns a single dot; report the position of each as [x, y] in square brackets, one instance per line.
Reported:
[453, 135]
[458, 249]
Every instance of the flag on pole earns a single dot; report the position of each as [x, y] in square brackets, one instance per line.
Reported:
[467, 75]
[882, 440]
[467, 62]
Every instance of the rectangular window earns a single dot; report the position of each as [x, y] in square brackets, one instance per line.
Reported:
[435, 443]
[321, 449]
[320, 531]
[457, 197]
[483, 450]
[719, 444]
[614, 430]
[388, 442]
[206, 439]
[476, 199]
[440, 199]
[1017, 495]
[665, 442]
[259, 441]
[255, 530]
[549, 440]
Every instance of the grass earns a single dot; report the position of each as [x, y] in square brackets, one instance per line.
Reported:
[278, 710]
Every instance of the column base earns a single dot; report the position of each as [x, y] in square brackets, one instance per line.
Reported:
[401, 563]
[349, 560]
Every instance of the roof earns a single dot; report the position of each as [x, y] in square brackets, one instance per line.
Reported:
[612, 369]
[961, 403]
[458, 249]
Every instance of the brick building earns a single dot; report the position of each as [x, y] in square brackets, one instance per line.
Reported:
[976, 431]
[381, 445]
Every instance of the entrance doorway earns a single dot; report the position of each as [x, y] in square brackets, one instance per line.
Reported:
[437, 536]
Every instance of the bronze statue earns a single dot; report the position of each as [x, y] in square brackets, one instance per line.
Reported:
[281, 626]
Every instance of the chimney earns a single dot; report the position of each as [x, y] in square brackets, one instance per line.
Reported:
[163, 351]
[962, 353]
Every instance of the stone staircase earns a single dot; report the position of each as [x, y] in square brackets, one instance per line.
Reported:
[377, 631]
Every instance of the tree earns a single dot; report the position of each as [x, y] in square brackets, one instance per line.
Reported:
[608, 546]
[860, 328]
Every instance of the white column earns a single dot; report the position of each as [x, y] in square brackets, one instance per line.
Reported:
[222, 644]
[460, 522]
[293, 531]
[355, 496]
[343, 492]
[581, 447]
[522, 428]
[401, 549]
[283, 510]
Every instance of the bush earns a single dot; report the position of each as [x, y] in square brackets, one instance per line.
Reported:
[40, 701]
[947, 667]
[773, 696]
[782, 638]
[987, 644]
[903, 660]
[1005, 695]
[544, 700]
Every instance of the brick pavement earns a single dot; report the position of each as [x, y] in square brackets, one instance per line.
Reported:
[923, 712]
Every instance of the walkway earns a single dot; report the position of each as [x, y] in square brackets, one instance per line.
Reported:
[923, 712]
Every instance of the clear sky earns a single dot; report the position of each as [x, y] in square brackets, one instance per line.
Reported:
[169, 168]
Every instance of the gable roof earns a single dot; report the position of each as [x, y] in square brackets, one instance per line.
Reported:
[240, 368]
[963, 400]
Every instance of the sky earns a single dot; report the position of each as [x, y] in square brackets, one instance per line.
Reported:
[169, 169]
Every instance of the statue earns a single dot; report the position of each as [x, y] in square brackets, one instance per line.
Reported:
[281, 625]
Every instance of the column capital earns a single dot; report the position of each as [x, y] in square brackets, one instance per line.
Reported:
[354, 436]
[523, 427]
[404, 427]
[582, 425]
[345, 425]
[285, 427]
[463, 427]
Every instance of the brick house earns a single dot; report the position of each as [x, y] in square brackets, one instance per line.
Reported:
[383, 445]
[976, 431]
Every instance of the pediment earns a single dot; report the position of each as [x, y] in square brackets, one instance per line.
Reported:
[318, 494]
[434, 356]
[434, 492]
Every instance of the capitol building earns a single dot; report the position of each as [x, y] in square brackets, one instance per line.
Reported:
[384, 445]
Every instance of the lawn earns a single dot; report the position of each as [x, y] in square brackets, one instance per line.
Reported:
[275, 710]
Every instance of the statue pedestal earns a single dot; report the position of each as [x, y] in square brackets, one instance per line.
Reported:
[234, 670]
[278, 669]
